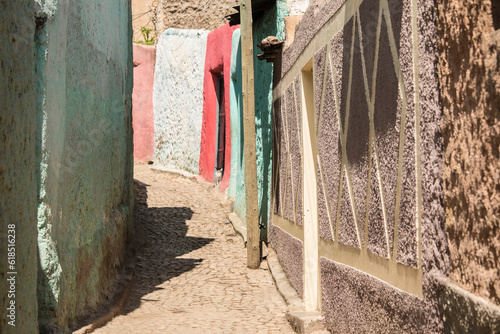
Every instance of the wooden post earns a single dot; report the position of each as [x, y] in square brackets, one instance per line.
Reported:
[252, 217]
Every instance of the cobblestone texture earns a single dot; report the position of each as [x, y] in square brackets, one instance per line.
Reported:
[191, 276]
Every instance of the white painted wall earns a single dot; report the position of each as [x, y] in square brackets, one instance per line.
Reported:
[297, 7]
[178, 98]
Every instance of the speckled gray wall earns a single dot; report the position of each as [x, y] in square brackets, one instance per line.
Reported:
[368, 146]
[286, 193]
[378, 166]
[289, 250]
[17, 167]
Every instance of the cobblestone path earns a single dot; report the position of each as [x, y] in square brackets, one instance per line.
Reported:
[191, 275]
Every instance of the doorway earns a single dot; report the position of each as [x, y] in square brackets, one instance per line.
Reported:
[221, 130]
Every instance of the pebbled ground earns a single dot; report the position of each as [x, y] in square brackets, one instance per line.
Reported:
[191, 275]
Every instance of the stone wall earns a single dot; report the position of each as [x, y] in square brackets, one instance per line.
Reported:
[469, 60]
[178, 98]
[84, 154]
[195, 14]
[143, 15]
[18, 183]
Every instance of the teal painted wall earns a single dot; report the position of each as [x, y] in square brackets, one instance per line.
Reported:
[84, 154]
[18, 166]
[236, 189]
[270, 24]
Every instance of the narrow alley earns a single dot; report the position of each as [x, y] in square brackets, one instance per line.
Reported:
[249, 166]
[191, 274]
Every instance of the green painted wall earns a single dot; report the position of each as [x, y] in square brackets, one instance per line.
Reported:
[236, 189]
[84, 154]
[270, 24]
[18, 166]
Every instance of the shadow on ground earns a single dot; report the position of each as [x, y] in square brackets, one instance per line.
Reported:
[158, 261]
[161, 236]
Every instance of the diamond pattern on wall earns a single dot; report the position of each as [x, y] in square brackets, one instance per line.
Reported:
[366, 144]
[288, 199]
[368, 105]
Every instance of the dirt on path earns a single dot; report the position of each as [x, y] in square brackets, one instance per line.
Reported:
[191, 275]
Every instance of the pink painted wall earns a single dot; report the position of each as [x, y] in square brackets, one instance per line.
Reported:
[142, 102]
[217, 62]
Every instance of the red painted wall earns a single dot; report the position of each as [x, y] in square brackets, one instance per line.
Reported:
[217, 62]
[142, 102]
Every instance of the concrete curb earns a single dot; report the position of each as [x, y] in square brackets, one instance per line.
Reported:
[173, 171]
[302, 321]
[284, 287]
[238, 225]
[464, 312]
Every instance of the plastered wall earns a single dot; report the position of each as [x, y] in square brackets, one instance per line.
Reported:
[142, 100]
[84, 154]
[297, 7]
[217, 65]
[236, 189]
[18, 183]
[270, 24]
[469, 49]
[178, 98]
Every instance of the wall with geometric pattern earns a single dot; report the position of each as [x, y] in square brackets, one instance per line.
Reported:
[357, 180]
